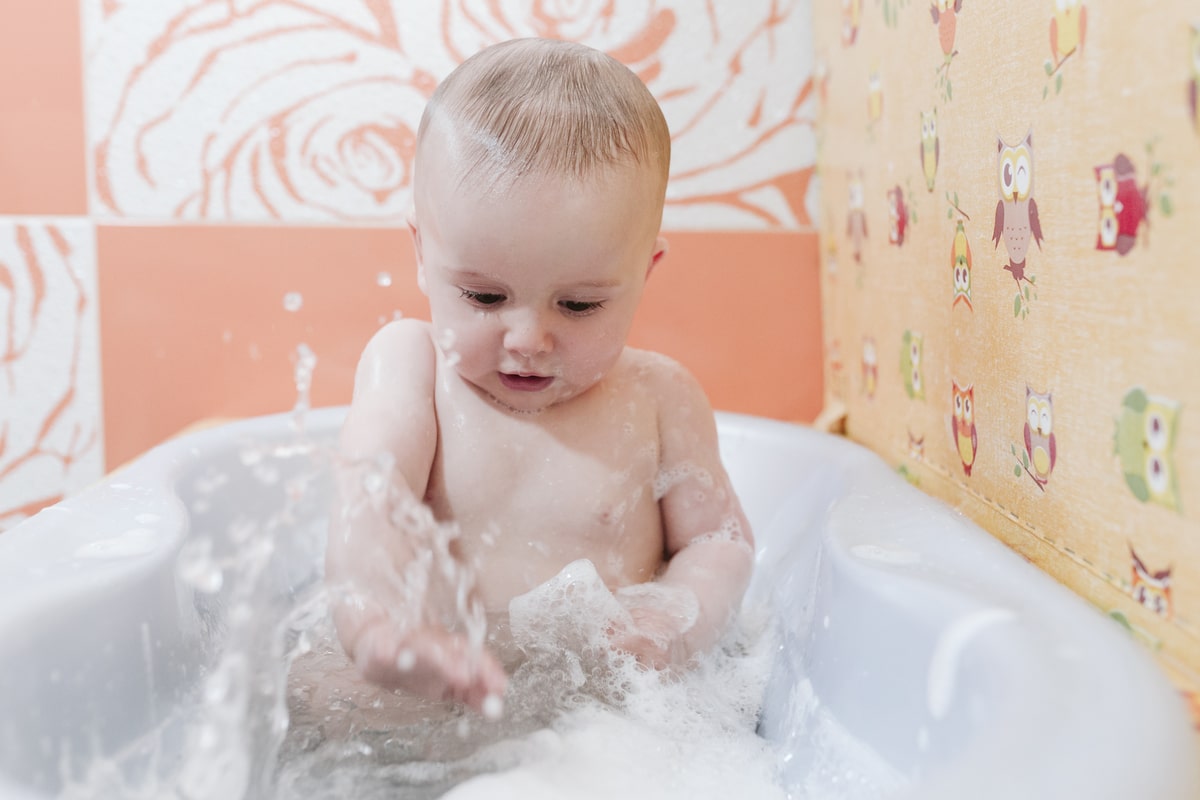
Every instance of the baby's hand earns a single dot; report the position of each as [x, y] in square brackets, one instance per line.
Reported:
[659, 618]
[433, 663]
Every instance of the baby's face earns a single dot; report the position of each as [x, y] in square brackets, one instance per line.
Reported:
[532, 292]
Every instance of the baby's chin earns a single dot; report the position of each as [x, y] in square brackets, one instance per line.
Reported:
[529, 396]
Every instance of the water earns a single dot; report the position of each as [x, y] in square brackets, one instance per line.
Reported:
[280, 713]
[293, 302]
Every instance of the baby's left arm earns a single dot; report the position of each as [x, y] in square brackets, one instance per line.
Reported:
[708, 540]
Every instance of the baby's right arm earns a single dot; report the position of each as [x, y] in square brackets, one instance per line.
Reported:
[386, 451]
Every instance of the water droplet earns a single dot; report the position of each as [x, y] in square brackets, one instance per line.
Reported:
[384, 279]
[293, 301]
[493, 706]
[130, 544]
[373, 482]
[305, 362]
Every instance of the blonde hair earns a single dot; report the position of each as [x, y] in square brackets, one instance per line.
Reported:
[541, 106]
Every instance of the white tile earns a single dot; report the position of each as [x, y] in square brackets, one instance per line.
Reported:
[51, 438]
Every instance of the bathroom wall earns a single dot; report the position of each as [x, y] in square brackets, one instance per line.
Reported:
[1010, 210]
[191, 189]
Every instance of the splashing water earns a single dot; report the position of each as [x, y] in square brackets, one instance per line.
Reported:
[445, 342]
[305, 361]
[279, 712]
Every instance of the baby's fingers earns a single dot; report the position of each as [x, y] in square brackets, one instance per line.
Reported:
[647, 652]
[432, 663]
[477, 680]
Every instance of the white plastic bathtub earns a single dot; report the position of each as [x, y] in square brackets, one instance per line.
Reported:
[965, 669]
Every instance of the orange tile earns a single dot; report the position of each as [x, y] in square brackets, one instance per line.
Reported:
[42, 163]
[742, 312]
[193, 323]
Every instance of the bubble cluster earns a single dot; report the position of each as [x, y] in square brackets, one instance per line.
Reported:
[670, 477]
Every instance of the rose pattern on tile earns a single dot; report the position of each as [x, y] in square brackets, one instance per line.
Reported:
[50, 440]
[273, 111]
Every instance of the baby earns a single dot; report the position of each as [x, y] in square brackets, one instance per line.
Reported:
[518, 414]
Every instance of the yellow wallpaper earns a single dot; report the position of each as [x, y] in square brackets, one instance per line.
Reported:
[1011, 220]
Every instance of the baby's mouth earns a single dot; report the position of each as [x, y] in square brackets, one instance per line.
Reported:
[525, 383]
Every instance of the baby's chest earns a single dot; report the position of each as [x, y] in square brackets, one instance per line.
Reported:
[539, 481]
[534, 494]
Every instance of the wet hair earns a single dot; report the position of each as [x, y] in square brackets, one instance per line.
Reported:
[546, 107]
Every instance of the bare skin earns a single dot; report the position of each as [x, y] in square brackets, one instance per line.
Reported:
[519, 414]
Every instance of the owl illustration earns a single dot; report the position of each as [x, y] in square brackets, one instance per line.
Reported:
[1144, 441]
[870, 366]
[945, 17]
[960, 262]
[851, 18]
[1040, 444]
[897, 216]
[834, 356]
[930, 147]
[1067, 28]
[1151, 589]
[962, 426]
[856, 222]
[1016, 212]
[916, 446]
[1123, 205]
[874, 96]
[910, 365]
[1194, 81]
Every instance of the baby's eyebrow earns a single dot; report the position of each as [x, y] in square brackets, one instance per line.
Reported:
[597, 284]
[471, 274]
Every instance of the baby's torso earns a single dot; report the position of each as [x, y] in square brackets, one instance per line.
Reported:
[532, 493]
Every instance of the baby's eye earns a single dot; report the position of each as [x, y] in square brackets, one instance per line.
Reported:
[483, 298]
[580, 307]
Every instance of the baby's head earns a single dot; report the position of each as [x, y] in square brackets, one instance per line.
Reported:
[540, 107]
[541, 171]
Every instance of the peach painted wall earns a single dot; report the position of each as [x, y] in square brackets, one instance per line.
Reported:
[191, 190]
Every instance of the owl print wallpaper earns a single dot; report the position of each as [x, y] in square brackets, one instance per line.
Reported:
[1048, 372]
[192, 190]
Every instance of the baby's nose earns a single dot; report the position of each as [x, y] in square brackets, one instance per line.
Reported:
[527, 334]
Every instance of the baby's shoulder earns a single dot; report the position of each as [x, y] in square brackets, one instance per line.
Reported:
[404, 332]
[668, 382]
[400, 357]
[650, 365]
[406, 343]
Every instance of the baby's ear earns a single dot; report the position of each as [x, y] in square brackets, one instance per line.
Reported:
[660, 250]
